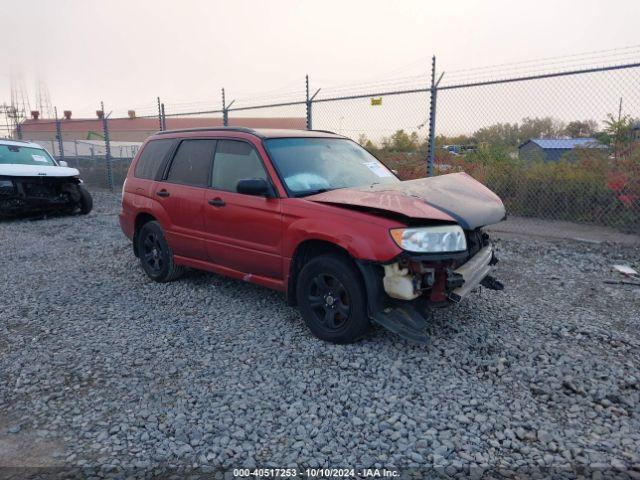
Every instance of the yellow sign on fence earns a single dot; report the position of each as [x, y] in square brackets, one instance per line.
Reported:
[376, 101]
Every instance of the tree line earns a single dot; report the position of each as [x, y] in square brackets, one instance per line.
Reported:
[614, 132]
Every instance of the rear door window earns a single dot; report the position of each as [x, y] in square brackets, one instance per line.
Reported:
[235, 161]
[152, 158]
[191, 164]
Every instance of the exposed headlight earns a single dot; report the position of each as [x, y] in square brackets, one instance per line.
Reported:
[445, 238]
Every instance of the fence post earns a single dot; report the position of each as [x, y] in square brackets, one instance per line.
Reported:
[19, 130]
[309, 119]
[309, 103]
[160, 115]
[164, 117]
[59, 134]
[432, 119]
[225, 115]
[107, 147]
[432, 116]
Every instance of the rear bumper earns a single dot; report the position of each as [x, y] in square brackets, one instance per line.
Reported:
[127, 222]
[473, 272]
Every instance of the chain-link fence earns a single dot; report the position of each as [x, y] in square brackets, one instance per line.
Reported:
[561, 144]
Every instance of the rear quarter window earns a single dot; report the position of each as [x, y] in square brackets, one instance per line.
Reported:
[153, 158]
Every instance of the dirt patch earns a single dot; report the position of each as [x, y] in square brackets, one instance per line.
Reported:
[521, 227]
[26, 448]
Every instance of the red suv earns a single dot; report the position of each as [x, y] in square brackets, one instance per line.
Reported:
[314, 215]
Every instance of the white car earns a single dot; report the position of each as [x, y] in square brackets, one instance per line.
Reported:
[33, 183]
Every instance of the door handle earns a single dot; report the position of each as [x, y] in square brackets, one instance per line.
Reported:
[162, 193]
[217, 202]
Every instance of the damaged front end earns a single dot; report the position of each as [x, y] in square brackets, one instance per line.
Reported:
[28, 196]
[402, 292]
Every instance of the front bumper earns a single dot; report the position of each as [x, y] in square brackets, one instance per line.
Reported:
[23, 196]
[409, 317]
[473, 272]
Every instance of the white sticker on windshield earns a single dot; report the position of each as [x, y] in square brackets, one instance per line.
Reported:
[40, 158]
[377, 169]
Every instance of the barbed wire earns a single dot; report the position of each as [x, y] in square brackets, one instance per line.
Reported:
[493, 66]
[543, 68]
[286, 92]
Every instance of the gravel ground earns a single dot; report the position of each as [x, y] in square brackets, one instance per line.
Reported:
[101, 367]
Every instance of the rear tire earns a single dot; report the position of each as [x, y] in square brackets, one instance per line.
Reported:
[332, 299]
[86, 201]
[156, 257]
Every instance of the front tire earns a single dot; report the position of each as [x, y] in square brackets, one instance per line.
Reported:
[156, 257]
[86, 201]
[332, 299]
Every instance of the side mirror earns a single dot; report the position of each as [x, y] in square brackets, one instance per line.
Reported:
[62, 163]
[255, 186]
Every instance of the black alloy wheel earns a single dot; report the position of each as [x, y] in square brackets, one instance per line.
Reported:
[332, 298]
[156, 256]
[152, 252]
[329, 301]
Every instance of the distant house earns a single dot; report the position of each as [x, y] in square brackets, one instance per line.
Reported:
[553, 149]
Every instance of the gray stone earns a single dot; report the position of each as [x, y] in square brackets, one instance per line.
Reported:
[212, 371]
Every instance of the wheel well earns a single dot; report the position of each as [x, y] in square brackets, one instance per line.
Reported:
[141, 220]
[305, 252]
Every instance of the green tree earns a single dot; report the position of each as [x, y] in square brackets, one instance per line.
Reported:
[510, 135]
[498, 134]
[545, 127]
[618, 132]
[401, 141]
[368, 144]
[581, 129]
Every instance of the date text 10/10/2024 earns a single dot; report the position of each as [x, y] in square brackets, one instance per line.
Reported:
[316, 473]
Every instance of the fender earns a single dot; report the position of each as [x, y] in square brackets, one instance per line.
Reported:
[142, 204]
[363, 240]
[133, 206]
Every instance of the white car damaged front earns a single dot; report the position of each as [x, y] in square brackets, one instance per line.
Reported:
[33, 183]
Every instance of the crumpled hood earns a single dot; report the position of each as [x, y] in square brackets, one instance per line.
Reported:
[455, 197]
[17, 170]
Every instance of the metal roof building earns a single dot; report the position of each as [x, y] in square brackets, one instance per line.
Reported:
[553, 149]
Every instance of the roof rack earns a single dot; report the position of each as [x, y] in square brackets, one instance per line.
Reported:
[323, 131]
[209, 129]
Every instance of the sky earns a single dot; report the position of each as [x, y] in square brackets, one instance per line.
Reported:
[127, 53]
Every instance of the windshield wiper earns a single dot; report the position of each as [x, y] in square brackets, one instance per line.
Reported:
[306, 193]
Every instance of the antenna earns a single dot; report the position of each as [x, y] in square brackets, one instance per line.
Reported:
[19, 108]
[19, 97]
[43, 99]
